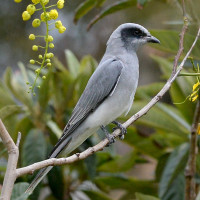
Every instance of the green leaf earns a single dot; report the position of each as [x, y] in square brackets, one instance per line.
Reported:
[7, 97]
[158, 118]
[10, 110]
[180, 89]
[96, 195]
[143, 144]
[162, 160]
[148, 90]
[170, 42]
[56, 182]
[45, 92]
[140, 196]
[120, 164]
[34, 147]
[130, 185]
[18, 89]
[119, 5]
[176, 189]
[83, 9]
[175, 164]
[73, 63]
[54, 128]
[18, 191]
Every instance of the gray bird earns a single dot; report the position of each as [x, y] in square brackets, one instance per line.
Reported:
[109, 92]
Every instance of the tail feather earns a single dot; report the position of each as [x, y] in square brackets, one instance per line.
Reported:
[60, 146]
[41, 174]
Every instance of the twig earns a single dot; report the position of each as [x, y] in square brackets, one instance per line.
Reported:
[182, 34]
[190, 169]
[60, 161]
[13, 154]
[18, 139]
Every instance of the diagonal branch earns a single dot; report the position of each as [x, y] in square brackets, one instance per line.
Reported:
[60, 161]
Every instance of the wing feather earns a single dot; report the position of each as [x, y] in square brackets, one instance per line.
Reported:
[99, 87]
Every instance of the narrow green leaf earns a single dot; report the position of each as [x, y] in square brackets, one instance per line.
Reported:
[170, 42]
[54, 128]
[96, 195]
[18, 89]
[120, 164]
[176, 189]
[9, 110]
[180, 89]
[18, 191]
[34, 147]
[83, 9]
[119, 5]
[175, 164]
[140, 196]
[73, 63]
[56, 181]
[128, 184]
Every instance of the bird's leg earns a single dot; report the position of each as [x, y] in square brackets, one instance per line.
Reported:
[122, 128]
[108, 136]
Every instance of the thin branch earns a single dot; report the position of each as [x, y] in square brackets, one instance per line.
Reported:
[190, 169]
[60, 161]
[13, 154]
[182, 34]
[18, 139]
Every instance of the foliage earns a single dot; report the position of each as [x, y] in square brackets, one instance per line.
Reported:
[162, 135]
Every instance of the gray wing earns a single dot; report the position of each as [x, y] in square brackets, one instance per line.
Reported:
[101, 84]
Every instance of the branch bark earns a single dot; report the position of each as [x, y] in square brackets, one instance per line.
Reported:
[13, 154]
[60, 161]
[190, 169]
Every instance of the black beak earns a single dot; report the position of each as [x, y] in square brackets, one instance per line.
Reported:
[152, 39]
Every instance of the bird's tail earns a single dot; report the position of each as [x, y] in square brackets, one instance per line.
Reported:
[41, 174]
[59, 147]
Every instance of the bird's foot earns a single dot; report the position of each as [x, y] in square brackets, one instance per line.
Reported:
[121, 127]
[110, 137]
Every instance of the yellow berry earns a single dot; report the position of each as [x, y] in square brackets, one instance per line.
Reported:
[26, 16]
[51, 45]
[40, 56]
[17, 1]
[37, 71]
[60, 4]
[32, 61]
[35, 47]
[27, 83]
[44, 77]
[31, 37]
[45, 17]
[49, 38]
[52, 55]
[36, 1]
[61, 29]
[38, 86]
[44, 2]
[58, 24]
[36, 23]
[31, 9]
[48, 60]
[53, 14]
[48, 64]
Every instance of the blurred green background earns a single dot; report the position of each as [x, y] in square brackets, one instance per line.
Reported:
[149, 164]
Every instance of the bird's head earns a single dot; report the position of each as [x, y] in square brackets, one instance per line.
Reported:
[131, 36]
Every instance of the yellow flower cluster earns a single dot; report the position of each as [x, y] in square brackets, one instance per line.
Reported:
[195, 90]
[46, 15]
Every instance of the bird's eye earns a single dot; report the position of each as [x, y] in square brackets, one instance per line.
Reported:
[137, 33]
